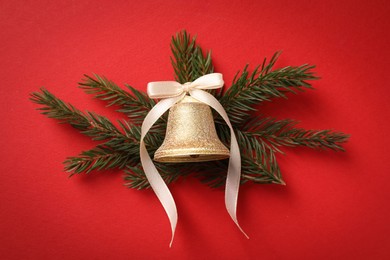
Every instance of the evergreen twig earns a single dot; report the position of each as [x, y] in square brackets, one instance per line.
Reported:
[189, 62]
[121, 146]
[250, 89]
[98, 158]
[258, 160]
[285, 133]
[135, 106]
[135, 177]
[91, 124]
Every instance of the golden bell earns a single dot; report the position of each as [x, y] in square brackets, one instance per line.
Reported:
[191, 135]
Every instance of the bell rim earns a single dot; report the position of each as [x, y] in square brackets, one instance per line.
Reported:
[180, 156]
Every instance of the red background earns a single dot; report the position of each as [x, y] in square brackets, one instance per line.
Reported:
[335, 205]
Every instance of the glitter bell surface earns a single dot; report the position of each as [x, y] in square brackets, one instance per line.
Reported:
[191, 135]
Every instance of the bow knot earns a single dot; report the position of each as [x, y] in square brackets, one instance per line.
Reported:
[187, 87]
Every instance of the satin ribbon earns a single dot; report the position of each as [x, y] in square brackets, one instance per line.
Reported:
[172, 92]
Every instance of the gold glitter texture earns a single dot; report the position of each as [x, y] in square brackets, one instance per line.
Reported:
[190, 135]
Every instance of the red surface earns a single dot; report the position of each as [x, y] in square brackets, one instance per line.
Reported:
[335, 205]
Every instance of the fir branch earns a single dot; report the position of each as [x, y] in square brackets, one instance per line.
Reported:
[153, 138]
[98, 158]
[135, 176]
[284, 133]
[115, 153]
[200, 64]
[263, 84]
[93, 125]
[118, 150]
[182, 47]
[135, 106]
[254, 168]
[188, 61]
[258, 161]
[90, 124]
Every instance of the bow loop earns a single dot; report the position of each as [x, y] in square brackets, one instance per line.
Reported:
[208, 81]
[164, 89]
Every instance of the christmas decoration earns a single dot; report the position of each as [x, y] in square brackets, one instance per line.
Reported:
[237, 121]
[189, 117]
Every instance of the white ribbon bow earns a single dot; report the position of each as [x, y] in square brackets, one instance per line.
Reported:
[172, 92]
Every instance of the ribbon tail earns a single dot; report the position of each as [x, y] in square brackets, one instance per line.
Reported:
[156, 181]
[234, 170]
